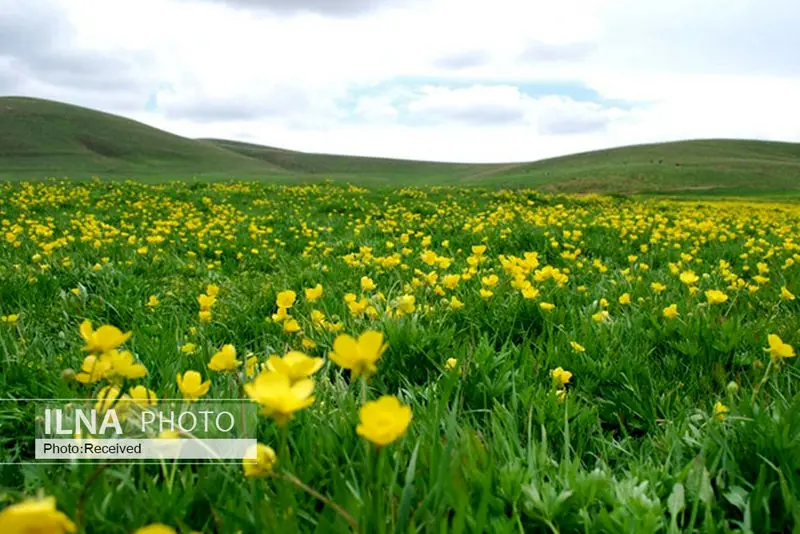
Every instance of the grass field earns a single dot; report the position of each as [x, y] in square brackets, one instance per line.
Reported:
[554, 363]
[40, 138]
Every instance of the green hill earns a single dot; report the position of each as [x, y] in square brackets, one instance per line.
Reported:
[45, 138]
[41, 137]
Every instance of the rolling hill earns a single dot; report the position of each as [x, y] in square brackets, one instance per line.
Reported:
[40, 138]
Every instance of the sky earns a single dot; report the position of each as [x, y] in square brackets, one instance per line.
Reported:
[445, 80]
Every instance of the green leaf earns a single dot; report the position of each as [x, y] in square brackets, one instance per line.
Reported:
[403, 516]
[677, 500]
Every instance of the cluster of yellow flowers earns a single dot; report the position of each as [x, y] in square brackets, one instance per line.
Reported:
[286, 387]
[207, 301]
[106, 362]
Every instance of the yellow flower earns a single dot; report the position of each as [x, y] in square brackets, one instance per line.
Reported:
[786, 294]
[600, 316]
[383, 421]
[35, 516]
[313, 293]
[625, 298]
[188, 348]
[671, 311]
[561, 395]
[530, 292]
[577, 347]
[278, 396]
[290, 326]
[657, 287]
[204, 316]
[778, 350]
[450, 281]
[285, 299]
[455, 304]
[143, 396]
[156, 528]
[360, 356]
[94, 368]
[367, 284]
[103, 339]
[153, 301]
[560, 377]
[224, 360]
[124, 365]
[406, 304]
[451, 364]
[720, 411]
[251, 365]
[263, 464]
[485, 293]
[206, 302]
[490, 281]
[295, 365]
[192, 386]
[212, 290]
[689, 278]
[11, 319]
[716, 297]
[280, 315]
[111, 397]
[546, 306]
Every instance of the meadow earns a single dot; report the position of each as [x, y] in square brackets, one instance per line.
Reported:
[428, 359]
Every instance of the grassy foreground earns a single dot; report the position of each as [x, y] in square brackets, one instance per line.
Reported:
[41, 138]
[570, 364]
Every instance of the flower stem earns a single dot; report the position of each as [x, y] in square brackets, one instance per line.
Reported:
[317, 495]
[763, 380]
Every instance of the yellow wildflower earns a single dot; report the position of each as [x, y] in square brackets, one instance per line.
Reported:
[778, 350]
[560, 377]
[295, 365]
[35, 516]
[264, 462]
[313, 293]
[383, 421]
[285, 299]
[360, 356]
[103, 339]
[720, 411]
[224, 360]
[671, 311]
[278, 396]
[192, 386]
[715, 297]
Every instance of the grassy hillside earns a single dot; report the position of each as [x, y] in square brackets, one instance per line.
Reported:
[365, 168]
[701, 165]
[734, 166]
[45, 138]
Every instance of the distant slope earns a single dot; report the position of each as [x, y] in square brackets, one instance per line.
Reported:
[46, 138]
[726, 164]
[335, 165]
[700, 165]
[41, 136]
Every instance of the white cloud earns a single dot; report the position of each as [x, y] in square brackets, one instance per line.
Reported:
[439, 79]
[376, 109]
[476, 105]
